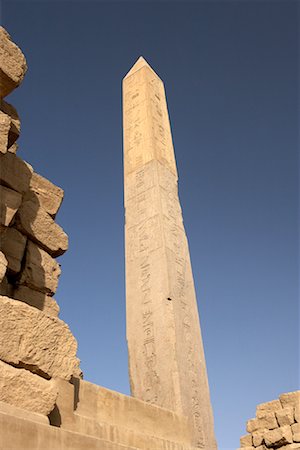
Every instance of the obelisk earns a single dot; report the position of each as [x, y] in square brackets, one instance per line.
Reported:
[166, 357]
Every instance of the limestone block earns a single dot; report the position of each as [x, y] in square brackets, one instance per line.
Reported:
[290, 399]
[14, 172]
[9, 203]
[39, 226]
[274, 405]
[5, 122]
[37, 299]
[296, 432]
[12, 64]
[246, 441]
[12, 244]
[30, 338]
[258, 437]
[278, 437]
[15, 125]
[3, 266]
[285, 416]
[49, 195]
[41, 271]
[267, 420]
[26, 390]
[6, 288]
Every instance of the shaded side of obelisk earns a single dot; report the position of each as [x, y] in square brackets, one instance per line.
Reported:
[166, 357]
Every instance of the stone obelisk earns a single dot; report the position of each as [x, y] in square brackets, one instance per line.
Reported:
[166, 357]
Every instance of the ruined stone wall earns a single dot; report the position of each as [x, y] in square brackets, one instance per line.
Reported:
[35, 346]
[276, 425]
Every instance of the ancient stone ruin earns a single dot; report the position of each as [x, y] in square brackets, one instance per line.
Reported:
[44, 402]
[276, 425]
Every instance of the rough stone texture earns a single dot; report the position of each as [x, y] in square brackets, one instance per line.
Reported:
[12, 64]
[274, 405]
[290, 399]
[267, 420]
[37, 299]
[285, 416]
[5, 122]
[9, 203]
[13, 148]
[3, 266]
[258, 437]
[296, 432]
[39, 226]
[278, 437]
[291, 447]
[246, 441]
[41, 271]
[297, 413]
[6, 408]
[33, 339]
[14, 173]
[25, 390]
[159, 282]
[12, 244]
[49, 196]
[15, 124]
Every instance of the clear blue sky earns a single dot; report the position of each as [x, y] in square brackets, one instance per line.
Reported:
[230, 70]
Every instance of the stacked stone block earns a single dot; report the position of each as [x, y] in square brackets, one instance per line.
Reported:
[276, 425]
[36, 347]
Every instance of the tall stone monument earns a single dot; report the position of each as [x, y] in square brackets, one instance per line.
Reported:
[166, 357]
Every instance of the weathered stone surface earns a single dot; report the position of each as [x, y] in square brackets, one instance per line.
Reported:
[10, 201]
[290, 399]
[41, 271]
[37, 299]
[3, 266]
[274, 405]
[11, 111]
[293, 446]
[49, 195]
[246, 441]
[12, 410]
[258, 437]
[14, 173]
[12, 244]
[267, 420]
[285, 416]
[278, 437]
[261, 447]
[12, 64]
[30, 338]
[13, 148]
[159, 282]
[297, 413]
[26, 390]
[39, 226]
[296, 432]
[5, 122]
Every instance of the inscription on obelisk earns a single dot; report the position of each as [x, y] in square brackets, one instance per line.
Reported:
[166, 357]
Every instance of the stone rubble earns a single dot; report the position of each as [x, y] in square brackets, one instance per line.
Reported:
[276, 425]
[35, 345]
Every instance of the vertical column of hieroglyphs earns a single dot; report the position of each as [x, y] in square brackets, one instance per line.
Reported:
[166, 357]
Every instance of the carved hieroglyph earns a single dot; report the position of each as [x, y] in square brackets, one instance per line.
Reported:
[166, 356]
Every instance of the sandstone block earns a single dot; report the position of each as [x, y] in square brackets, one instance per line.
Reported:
[15, 125]
[3, 266]
[285, 416]
[246, 441]
[5, 123]
[296, 432]
[297, 413]
[12, 244]
[261, 447]
[37, 299]
[25, 390]
[9, 203]
[50, 196]
[39, 226]
[29, 338]
[12, 64]
[41, 271]
[274, 405]
[278, 437]
[14, 172]
[290, 399]
[258, 437]
[291, 447]
[267, 420]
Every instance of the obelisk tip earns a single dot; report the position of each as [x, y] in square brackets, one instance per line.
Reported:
[141, 62]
